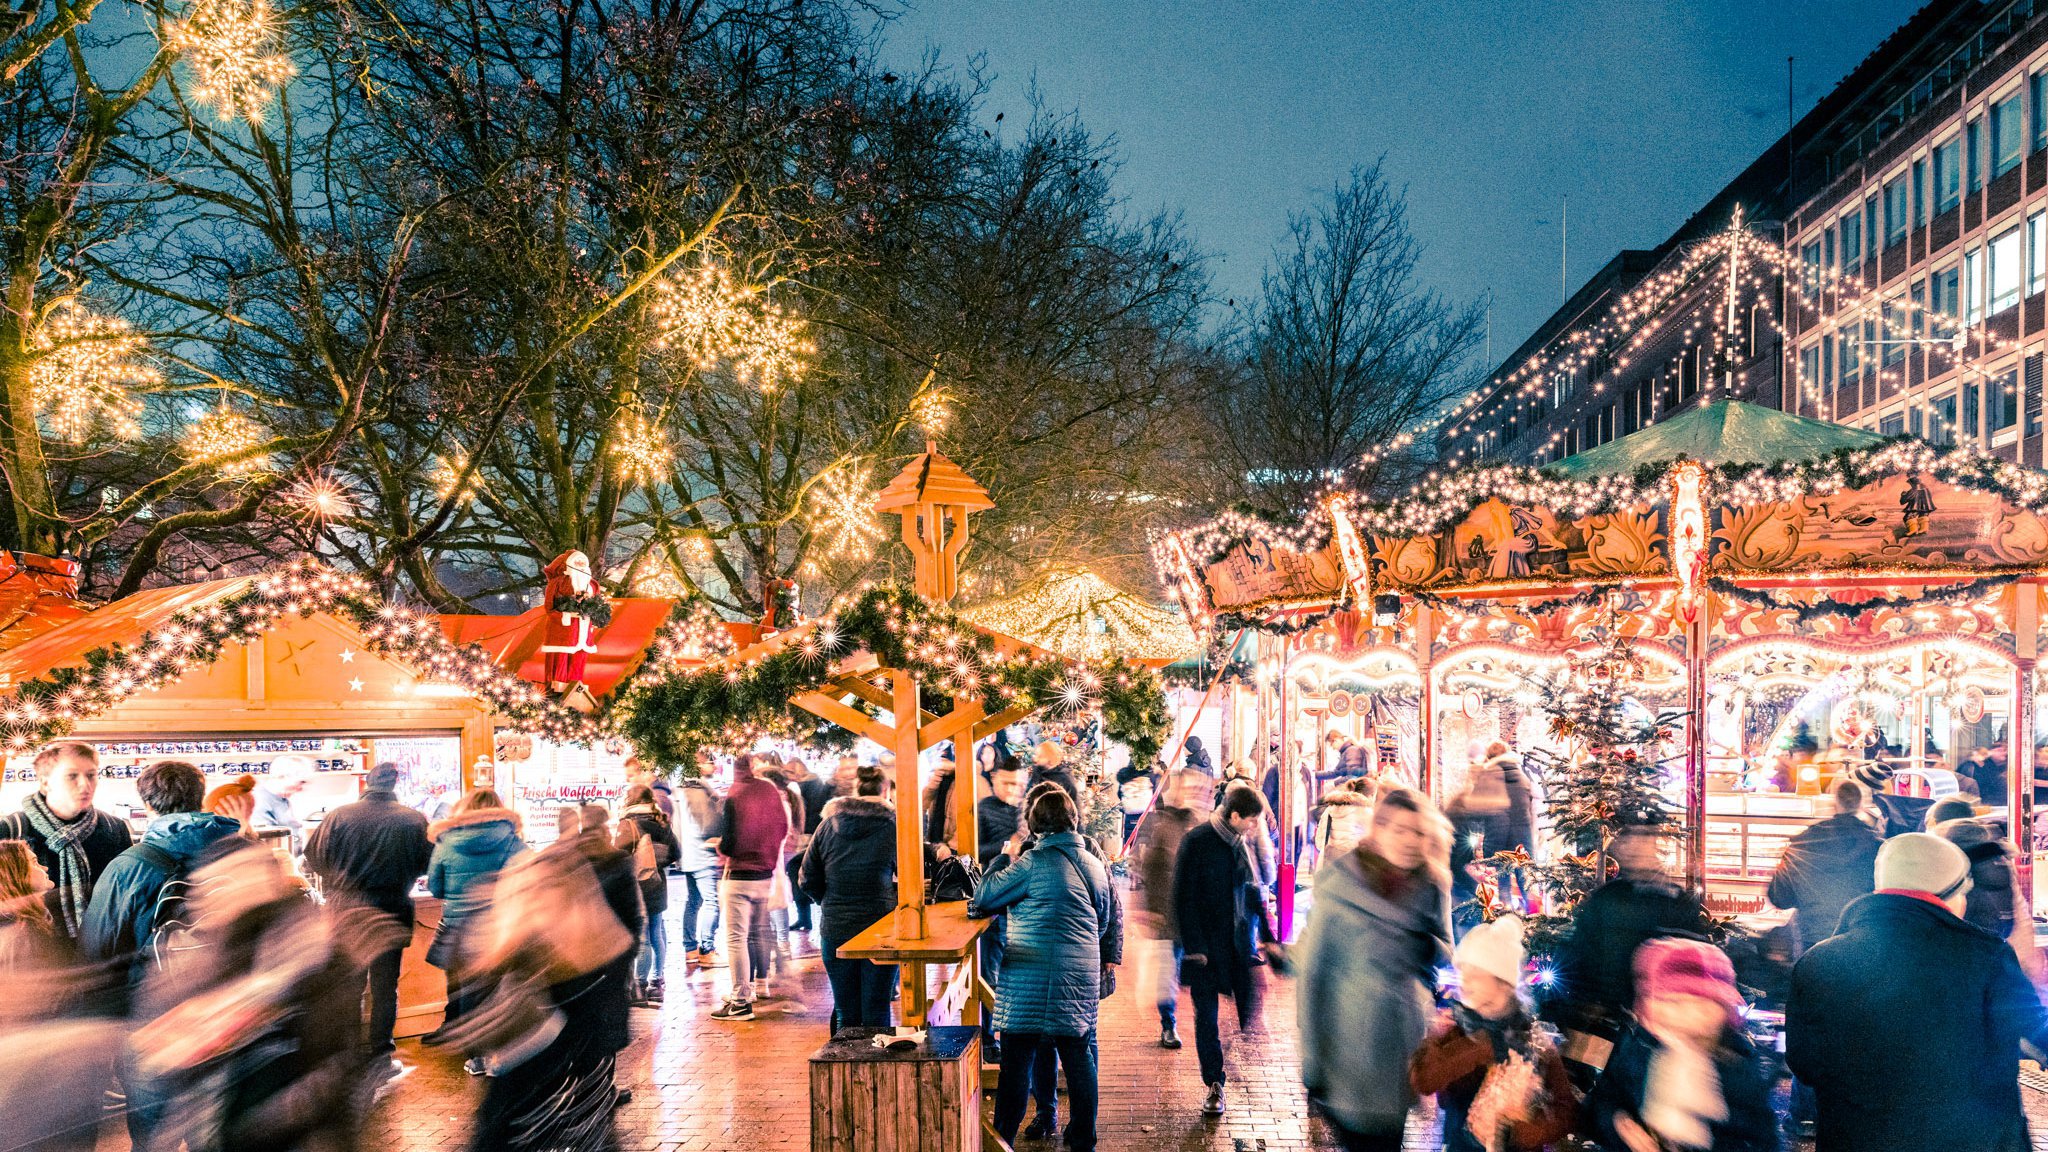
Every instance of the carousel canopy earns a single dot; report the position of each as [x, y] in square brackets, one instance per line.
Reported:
[1081, 616]
[1724, 432]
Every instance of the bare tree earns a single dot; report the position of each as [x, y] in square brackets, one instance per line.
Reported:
[1342, 352]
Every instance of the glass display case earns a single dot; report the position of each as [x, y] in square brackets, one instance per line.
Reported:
[1746, 833]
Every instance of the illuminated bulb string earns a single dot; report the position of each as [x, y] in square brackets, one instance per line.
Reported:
[711, 319]
[84, 367]
[230, 46]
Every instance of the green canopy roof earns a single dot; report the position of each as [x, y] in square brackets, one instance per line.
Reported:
[1724, 432]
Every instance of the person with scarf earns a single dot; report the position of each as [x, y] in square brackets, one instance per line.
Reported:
[1685, 1078]
[1378, 925]
[72, 840]
[1499, 1081]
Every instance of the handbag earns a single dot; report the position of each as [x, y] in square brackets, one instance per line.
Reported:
[646, 865]
[954, 878]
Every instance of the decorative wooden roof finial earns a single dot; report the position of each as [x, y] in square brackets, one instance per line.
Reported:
[934, 497]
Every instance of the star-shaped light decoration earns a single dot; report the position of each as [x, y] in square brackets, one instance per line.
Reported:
[348, 655]
[355, 684]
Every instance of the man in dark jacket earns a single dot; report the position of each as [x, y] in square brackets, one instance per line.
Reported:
[1158, 852]
[1520, 824]
[1641, 903]
[1221, 917]
[751, 830]
[1825, 867]
[71, 839]
[369, 854]
[1048, 764]
[1907, 1024]
[143, 890]
[1136, 781]
[815, 791]
[997, 816]
[850, 871]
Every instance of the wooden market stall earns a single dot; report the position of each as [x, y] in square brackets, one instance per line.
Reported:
[1810, 596]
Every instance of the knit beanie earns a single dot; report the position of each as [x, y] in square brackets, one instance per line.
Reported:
[1922, 862]
[1872, 774]
[1679, 967]
[1494, 948]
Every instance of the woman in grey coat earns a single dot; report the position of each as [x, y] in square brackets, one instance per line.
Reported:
[1378, 928]
[1057, 938]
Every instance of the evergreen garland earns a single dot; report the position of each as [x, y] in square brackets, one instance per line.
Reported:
[592, 606]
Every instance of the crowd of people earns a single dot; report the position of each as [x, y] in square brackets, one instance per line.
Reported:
[228, 996]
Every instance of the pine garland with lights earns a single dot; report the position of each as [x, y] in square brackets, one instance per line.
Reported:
[49, 706]
[592, 606]
[669, 717]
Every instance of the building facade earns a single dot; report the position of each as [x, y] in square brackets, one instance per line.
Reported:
[1890, 275]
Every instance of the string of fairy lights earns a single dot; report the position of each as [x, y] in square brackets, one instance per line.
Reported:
[1079, 615]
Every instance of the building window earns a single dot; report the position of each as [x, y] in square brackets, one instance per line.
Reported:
[1947, 294]
[1973, 286]
[1891, 333]
[2008, 270]
[1914, 420]
[1973, 151]
[1893, 425]
[2007, 135]
[2002, 402]
[1870, 233]
[2030, 394]
[1919, 319]
[1827, 362]
[1948, 174]
[1919, 193]
[1896, 206]
[2037, 253]
[1852, 241]
[2038, 84]
[1810, 257]
[1943, 412]
[1850, 355]
[1809, 366]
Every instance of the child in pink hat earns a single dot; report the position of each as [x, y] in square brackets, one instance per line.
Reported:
[1685, 1078]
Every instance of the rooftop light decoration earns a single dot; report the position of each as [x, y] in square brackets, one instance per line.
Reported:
[1081, 616]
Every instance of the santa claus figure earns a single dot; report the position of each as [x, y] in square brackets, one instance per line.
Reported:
[571, 636]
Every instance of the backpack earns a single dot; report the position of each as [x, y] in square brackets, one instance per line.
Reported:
[170, 932]
[954, 878]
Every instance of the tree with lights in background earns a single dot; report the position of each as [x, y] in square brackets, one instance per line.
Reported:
[1606, 771]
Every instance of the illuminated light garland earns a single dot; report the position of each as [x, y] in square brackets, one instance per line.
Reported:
[659, 580]
[641, 449]
[321, 499]
[231, 47]
[226, 439]
[673, 714]
[49, 706]
[82, 370]
[1081, 616]
[843, 516]
[772, 349]
[447, 474]
[931, 411]
[707, 316]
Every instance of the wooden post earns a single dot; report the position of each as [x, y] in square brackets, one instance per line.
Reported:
[1425, 722]
[2019, 735]
[967, 839]
[909, 829]
[1696, 745]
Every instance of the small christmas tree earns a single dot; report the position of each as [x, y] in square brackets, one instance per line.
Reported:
[1604, 772]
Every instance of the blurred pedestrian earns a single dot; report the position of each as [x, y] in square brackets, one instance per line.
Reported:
[1378, 926]
[71, 839]
[851, 871]
[1685, 1077]
[1596, 965]
[1495, 1072]
[815, 792]
[1345, 818]
[1220, 915]
[940, 821]
[56, 1064]
[273, 808]
[750, 836]
[1995, 899]
[998, 815]
[1908, 1022]
[1048, 764]
[1136, 782]
[645, 835]
[1824, 867]
[1196, 758]
[610, 989]
[774, 963]
[1057, 900]
[369, 853]
[471, 847]
[1158, 853]
[697, 815]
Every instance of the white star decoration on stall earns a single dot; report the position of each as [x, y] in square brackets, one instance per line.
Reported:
[355, 684]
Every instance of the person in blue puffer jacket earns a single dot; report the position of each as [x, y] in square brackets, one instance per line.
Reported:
[476, 841]
[1060, 935]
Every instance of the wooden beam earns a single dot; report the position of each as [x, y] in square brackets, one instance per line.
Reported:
[1001, 720]
[874, 694]
[852, 719]
[959, 721]
[910, 922]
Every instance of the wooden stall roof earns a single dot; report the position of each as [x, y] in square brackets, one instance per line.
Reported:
[933, 479]
[622, 645]
[122, 622]
[37, 594]
[1724, 432]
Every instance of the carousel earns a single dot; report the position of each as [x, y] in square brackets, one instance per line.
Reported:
[1810, 599]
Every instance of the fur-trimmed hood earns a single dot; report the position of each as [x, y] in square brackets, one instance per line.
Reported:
[860, 807]
[475, 818]
[1344, 797]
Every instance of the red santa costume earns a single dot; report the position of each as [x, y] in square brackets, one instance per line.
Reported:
[569, 638]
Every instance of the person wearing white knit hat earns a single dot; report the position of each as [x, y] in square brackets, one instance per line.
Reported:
[1496, 1073]
[1907, 1022]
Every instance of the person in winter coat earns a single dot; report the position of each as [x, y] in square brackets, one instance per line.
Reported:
[940, 817]
[1048, 763]
[1057, 901]
[1220, 914]
[1378, 926]
[1907, 1023]
[1827, 865]
[1136, 782]
[998, 815]
[1994, 897]
[122, 920]
[71, 839]
[1495, 1072]
[850, 871]
[751, 835]
[1197, 758]
[1685, 1078]
[470, 848]
[642, 820]
[369, 853]
[815, 792]
[1597, 962]
[1345, 819]
[1520, 823]
[53, 1069]
[698, 810]
[621, 888]
[1158, 853]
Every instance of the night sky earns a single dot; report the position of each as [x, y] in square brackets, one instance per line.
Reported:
[1489, 112]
